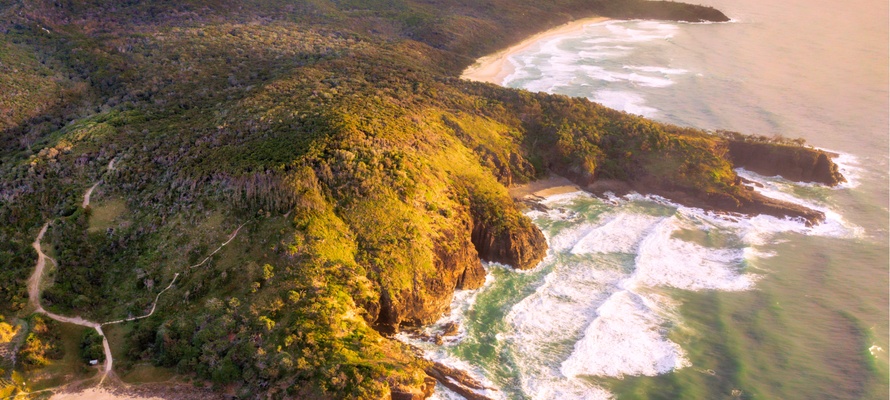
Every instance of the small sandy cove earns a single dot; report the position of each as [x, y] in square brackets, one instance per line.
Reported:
[495, 68]
[550, 186]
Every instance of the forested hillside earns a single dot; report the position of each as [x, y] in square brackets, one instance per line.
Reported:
[367, 180]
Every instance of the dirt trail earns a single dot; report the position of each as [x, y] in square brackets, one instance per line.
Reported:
[86, 196]
[34, 292]
[153, 306]
[175, 276]
[234, 234]
[36, 278]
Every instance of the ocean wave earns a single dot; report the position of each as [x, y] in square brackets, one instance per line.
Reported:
[625, 101]
[835, 225]
[626, 338]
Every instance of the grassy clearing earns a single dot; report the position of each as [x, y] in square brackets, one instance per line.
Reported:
[132, 373]
[67, 370]
[147, 373]
[106, 215]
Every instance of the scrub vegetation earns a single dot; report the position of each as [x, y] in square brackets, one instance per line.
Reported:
[369, 180]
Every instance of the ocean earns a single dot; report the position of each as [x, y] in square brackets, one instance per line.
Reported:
[643, 298]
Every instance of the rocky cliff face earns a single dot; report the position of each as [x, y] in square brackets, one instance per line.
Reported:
[457, 267]
[796, 163]
[521, 247]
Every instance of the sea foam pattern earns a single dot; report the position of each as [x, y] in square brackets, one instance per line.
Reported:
[603, 309]
[595, 60]
[600, 303]
[599, 311]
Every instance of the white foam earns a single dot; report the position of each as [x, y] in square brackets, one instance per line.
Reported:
[443, 393]
[588, 317]
[850, 167]
[636, 32]
[461, 303]
[440, 355]
[598, 312]
[835, 225]
[565, 198]
[625, 339]
[563, 64]
[625, 101]
[547, 389]
[569, 237]
[660, 70]
[544, 324]
[669, 262]
[619, 233]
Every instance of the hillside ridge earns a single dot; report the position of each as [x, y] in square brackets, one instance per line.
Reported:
[376, 179]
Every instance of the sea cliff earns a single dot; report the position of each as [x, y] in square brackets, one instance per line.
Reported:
[792, 162]
[369, 180]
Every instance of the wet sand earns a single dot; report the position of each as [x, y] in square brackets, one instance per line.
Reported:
[494, 68]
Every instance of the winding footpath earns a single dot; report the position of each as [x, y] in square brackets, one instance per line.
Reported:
[176, 275]
[34, 294]
[34, 283]
[36, 278]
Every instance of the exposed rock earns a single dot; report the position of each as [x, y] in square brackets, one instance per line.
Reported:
[522, 246]
[415, 393]
[795, 163]
[746, 201]
[457, 267]
[457, 380]
[450, 329]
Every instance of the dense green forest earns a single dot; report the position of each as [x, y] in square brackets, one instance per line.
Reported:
[367, 178]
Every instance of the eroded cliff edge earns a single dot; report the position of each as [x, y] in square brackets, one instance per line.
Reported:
[788, 160]
[372, 181]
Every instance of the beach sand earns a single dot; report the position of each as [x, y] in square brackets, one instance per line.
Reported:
[550, 186]
[101, 394]
[494, 68]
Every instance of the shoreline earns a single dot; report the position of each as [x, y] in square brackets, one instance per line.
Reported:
[543, 188]
[494, 68]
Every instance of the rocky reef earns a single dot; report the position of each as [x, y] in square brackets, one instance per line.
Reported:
[372, 181]
[792, 162]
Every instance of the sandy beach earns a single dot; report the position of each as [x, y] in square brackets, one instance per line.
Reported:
[494, 68]
[101, 394]
[550, 186]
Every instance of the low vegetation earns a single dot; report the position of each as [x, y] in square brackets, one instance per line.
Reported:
[335, 132]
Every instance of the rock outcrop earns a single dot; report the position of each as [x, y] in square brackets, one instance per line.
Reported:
[457, 267]
[458, 381]
[522, 246]
[795, 163]
[745, 201]
[415, 393]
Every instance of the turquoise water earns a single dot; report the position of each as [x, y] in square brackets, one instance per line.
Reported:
[642, 298]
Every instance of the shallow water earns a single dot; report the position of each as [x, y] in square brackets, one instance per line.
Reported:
[641, 298]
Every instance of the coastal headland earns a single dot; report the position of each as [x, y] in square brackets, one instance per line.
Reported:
[378, 180]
